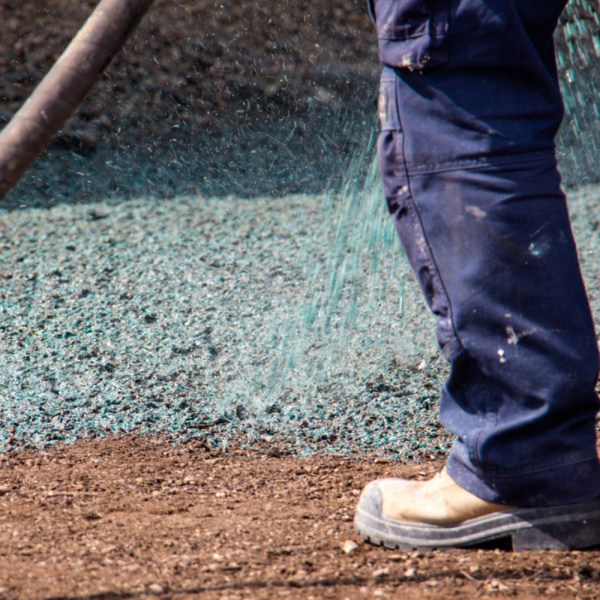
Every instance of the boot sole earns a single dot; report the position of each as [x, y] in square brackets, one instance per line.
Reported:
[574, 526]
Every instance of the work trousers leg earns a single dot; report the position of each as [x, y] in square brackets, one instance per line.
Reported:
[490, 241]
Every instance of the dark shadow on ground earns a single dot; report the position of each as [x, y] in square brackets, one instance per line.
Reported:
[273, 151]
[239, 99]
[262, 154]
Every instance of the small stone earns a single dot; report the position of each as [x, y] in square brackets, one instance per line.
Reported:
[497, 586]
[92, 516]
[156, 589]
[396, 557]
[349, 547]
[379, 573]
[380, 460]
[410, 573]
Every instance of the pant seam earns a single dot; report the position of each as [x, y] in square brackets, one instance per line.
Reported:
[472, 164]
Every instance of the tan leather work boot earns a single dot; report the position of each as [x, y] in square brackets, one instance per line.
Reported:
[438, 501]
[440, 514]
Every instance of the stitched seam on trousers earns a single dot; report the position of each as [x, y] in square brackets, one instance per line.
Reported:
[416, 36]
[475, 459]
[518, 160]
[450, 32]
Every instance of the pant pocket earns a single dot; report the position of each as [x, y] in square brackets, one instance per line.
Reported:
[412, 34]
[387, 103]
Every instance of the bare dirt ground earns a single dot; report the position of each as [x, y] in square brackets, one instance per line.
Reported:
[127, 518]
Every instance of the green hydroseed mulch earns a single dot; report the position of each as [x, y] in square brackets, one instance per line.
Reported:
[295, 318]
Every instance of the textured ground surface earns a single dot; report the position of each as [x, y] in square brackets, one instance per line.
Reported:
[246, 98]
[203, 257]
[130, 519]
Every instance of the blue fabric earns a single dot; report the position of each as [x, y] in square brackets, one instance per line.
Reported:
[469, 106]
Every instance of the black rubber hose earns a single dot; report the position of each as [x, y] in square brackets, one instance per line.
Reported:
[65, 86]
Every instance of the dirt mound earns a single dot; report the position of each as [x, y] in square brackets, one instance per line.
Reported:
[208, 97]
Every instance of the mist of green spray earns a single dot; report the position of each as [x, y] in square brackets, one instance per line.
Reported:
[578, 58]
[350, 320]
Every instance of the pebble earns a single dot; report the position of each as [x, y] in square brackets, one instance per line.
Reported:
[396, 557]
[156, 589]
[350, 547]
[92, 516]
[497, 586]
[379, 573]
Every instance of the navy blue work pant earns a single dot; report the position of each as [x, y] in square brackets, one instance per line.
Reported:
[469, 106]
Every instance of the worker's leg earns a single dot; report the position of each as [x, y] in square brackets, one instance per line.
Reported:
[469, 111]
[470, 104]
[492, 247]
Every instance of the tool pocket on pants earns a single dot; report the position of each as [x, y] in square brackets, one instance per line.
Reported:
[390, 141]
[412, 34]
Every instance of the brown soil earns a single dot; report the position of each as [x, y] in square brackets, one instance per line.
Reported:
[123, 518]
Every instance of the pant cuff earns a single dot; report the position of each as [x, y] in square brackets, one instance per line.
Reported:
[564, 484]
